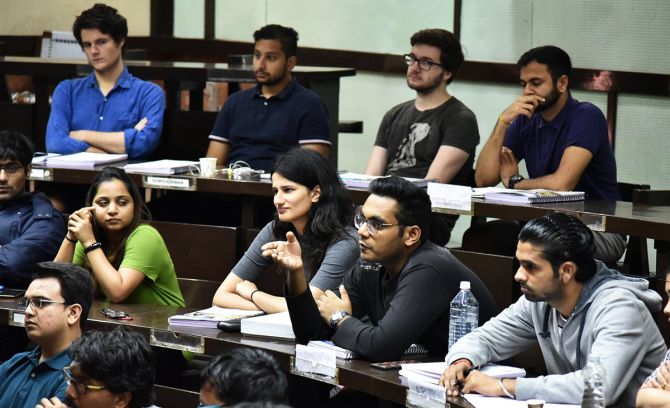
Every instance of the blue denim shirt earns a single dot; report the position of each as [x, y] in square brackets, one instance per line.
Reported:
[31, 231]
[24, 381]
[78, 104]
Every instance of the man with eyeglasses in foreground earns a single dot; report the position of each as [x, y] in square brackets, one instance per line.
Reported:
[403, 282]
[435, 135]
[109, 369]
[56, 304]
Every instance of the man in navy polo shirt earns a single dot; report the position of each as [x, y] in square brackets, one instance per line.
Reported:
[563, 142]
[257, 124]
[109, 110]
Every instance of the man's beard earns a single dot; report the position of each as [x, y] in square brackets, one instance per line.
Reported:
[426, 88]
[271, 81]
[549, 101]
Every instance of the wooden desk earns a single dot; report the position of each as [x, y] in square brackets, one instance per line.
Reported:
[46, 72]
[647, 221]
[150, 320]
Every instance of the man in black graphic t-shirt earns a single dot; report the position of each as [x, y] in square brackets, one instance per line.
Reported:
[435, 135]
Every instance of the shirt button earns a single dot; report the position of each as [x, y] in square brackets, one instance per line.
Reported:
[265, 103]
[32, 375]
[100, 117]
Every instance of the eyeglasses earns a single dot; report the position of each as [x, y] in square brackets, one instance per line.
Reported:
[79, 386]
[373, 225]
[423, 63]
[203, 405]
[37, 303]
[11, 168]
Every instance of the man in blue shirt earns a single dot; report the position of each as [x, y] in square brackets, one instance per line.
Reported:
[563, 142]
[109, 110]
[56, 304]
[31, 230]
[257, 124]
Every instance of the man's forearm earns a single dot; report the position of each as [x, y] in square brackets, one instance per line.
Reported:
[110, 142]
[487, 170]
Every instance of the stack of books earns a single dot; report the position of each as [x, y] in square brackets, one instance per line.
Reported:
[83, 160]
[275, 325]
[210, 317]
[358, 180]
[164, 166]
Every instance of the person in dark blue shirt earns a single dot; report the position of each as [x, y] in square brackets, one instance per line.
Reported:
[109, 110]
[257, 124]
[56, 304]
[31, 230]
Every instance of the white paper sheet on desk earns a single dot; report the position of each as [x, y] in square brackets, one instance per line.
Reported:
[480, 401]
[450, 196]
[431, 372]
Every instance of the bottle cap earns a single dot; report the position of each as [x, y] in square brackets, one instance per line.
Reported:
[465, 285]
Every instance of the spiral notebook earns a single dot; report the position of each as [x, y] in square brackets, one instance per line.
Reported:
[534, 196]
[413, 350]
[60, 44]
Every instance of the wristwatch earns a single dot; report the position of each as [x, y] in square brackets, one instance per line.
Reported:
[513, 180]
[336, 317]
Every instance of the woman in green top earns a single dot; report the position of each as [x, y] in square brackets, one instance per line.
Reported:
[129, 260]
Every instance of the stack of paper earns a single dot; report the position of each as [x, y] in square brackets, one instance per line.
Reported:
[210, 317]
[164, 166]
[277, 325]
[431, 372]
[83, 160]
[534, 196]
[40, 158]
[480, 401]
[358, 180]
[452, 198]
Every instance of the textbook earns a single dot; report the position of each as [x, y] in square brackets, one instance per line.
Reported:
[363, 180]
[276, 325]
[345, 354]
[164, 166]
[534, 196]
[210, 317]
[83, 160]
[431, 372]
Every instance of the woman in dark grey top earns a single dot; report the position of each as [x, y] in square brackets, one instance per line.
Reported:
[312, 203]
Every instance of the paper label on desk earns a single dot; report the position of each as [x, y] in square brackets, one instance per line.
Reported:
[315, 360]
[449, 198]
[426, 391]
[40, 174]
[177, 341]
[17, 319]
[169, 183]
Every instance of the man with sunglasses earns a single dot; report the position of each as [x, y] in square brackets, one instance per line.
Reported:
[31, 230]
[109, 369]
[399, 294]
[435, 135]
[56, 305]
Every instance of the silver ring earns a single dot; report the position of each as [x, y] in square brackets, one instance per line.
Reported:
[454, 382]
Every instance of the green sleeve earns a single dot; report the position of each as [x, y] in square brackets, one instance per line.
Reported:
[79, 257]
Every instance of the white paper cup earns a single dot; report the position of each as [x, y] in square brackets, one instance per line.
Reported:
[535, 403]
[207, 166]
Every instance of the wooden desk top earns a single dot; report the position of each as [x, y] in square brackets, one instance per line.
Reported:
[165, 70]
[617, 216]
[354, 374]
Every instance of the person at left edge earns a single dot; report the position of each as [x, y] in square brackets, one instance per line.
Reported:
[30, 228]
[109, 110]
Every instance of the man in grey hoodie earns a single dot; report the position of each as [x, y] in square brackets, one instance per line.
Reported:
[573, 307]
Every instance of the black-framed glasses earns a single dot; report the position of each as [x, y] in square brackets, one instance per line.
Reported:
[203, 405]
[79, 387]
[37, 303]
[424, 64]
[373, 225]
[11, 169]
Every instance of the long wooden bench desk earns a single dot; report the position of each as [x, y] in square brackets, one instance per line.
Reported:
[151, 322]
[46, 72]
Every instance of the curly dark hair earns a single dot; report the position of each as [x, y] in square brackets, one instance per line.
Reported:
[121, 359]
[104, 18]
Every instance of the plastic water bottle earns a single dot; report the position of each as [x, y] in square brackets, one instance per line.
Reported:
[594, 383]
[464, 314]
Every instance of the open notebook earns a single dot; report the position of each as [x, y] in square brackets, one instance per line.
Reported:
[534, 196]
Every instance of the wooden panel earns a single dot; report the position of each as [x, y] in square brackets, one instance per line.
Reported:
[198, 293]
[497, 273]
[168, 397]
[200, 251]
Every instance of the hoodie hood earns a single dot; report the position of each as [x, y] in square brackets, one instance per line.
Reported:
[606, 278]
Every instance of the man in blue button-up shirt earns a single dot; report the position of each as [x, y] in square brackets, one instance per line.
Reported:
[56, 303]
[31, 230]
[109, 110]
